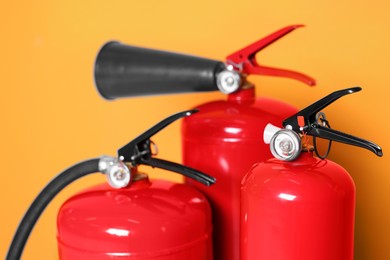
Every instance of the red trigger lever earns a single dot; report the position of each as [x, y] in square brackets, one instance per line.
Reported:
[245, 62]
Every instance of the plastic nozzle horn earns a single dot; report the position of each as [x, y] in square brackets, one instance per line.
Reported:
[127, 71]
[245, 61]
[139, 151]
[305, 122]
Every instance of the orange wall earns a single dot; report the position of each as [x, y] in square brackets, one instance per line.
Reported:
[52, 116]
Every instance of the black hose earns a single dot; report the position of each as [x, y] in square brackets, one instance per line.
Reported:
[42, 200]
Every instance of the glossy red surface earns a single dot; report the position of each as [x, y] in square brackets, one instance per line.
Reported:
[300, 210]
[224, 140]
[149, 220]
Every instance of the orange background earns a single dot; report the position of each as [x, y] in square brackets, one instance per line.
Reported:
[52, 116]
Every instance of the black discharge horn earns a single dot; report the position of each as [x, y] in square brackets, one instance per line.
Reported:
[126, 71]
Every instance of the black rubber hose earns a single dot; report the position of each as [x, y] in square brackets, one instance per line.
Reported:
[42, 200]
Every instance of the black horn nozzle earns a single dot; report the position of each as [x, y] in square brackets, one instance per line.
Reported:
[127, 71]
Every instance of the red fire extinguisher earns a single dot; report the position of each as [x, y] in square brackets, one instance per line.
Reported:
[227, 132]
[299, 207]
[132, 217]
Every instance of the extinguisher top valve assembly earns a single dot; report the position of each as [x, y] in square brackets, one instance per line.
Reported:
[127, 71]
[117, 170]
[139, 151]
[285, 144]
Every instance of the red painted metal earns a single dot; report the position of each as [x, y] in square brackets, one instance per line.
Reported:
[245, 61]
[297, 210]
[148, 220]
[225, 139]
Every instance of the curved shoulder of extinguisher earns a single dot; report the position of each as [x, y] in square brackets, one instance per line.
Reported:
[309, 122]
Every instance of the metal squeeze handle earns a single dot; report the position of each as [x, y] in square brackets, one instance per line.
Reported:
[126, 71]
[305, 121]
[139, 151]
[245, 60]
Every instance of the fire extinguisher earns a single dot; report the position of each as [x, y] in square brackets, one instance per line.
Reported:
[227, 132]
[300, 207]
[132, 217]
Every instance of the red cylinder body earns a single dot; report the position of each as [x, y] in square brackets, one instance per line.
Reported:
[225, 139]
[300, 210]
[148, 220]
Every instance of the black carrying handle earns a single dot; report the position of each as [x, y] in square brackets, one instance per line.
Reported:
[138, 151]
[309, 113]
[179, 168]
[133, 150]
[334, 135]
[126, 71]
[311, 127]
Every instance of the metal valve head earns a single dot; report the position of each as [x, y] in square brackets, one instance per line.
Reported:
[117, 173]
[126, 71]
[285, 145]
